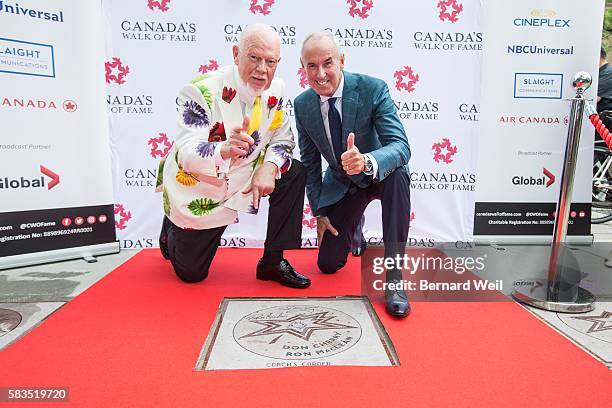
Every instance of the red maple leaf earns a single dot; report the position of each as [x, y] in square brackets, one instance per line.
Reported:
[122, 70]
[212, 65]
[449, 10]
[363, 11]
[308, 219]
[303, 77]
[155, 143]
[405, 73]
[446, 157]
[263, 8]
[124, 217]
[159, 4]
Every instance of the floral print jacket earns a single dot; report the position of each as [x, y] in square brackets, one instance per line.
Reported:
[196, 194]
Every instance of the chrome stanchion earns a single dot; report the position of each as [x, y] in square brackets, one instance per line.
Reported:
[560, 292]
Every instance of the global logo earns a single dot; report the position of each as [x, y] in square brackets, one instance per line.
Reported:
[161, 5]
[160, 146]
[212, 65]
[405, 79]
[308, 218]
[546, 180]
[262, 8]
[363, 11]
[449, 10]
[302, 77]
[444, 151]
[116, 71]
[122, 217]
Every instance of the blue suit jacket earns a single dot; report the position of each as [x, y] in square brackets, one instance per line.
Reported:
[369, 112]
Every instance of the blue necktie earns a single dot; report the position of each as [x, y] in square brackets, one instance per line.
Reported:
[335, 128]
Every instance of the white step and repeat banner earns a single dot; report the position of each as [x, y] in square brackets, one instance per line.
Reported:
[427, 51]
[55, 180]
[533, 49]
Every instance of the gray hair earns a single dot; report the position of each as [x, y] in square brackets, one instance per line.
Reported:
[317, 35]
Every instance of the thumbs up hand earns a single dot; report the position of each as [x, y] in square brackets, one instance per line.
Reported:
[353, 161]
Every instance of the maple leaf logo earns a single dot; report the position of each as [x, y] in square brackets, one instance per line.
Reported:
[212, 65]
[157, 142]
[308, 218]
[444, 151]
[412, 216]
[449, 10]
[302, 77]
[116, 71]
[363, 11]
[123, 217]
[161, 5]
[263, 8]
[405, 79]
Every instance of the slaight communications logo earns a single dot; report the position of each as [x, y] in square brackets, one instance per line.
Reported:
[449, 10]
[160, 146]
[261, 6]
[122, 217]
[161, 5]
[444, 151]
[212, 65]
[301, 73]
[360, 11]
[308, 218]
[405, 79]
[116, 71]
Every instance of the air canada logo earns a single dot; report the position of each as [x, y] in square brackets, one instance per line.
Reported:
[69, 106]
[212, 65]
[302, 77]
[449, 10]
[405, 79]
[261, 6]
[160, 146]
[363, 11]
[444, 151]
[116, 71]
[161, 5]
[308, 218]
[297, 332]
[122, 217]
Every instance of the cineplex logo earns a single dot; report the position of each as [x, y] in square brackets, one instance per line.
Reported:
[546, 180]
[32, 182]
[542, 19]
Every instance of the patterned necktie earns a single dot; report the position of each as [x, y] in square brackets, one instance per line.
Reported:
[255, 116]
[335, 128]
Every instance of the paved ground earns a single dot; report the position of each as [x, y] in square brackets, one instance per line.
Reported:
[29, 295]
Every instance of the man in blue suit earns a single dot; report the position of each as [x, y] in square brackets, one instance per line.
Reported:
[351, 121]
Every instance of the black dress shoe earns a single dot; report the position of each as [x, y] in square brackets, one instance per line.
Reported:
[360, 249]
[282, 273]
[397, 302]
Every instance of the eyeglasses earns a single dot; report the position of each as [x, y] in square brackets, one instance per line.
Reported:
[270, 63]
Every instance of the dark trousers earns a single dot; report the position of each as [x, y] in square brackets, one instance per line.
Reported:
[192, 251]
[345, 216]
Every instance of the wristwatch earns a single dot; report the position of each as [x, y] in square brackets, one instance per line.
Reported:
[369, 166]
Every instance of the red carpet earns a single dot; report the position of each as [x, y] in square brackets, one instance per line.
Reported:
[132, 340]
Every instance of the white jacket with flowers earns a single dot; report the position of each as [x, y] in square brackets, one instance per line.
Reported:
[196, 194]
